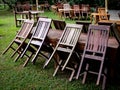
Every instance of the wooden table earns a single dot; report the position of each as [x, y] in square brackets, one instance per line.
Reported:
[54, 35]
[112, 21]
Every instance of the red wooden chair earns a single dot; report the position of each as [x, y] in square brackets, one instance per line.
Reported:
[95, 50]
[66, 45]
[37, 40]
[20, 38]
[77, 13]
[85, 9]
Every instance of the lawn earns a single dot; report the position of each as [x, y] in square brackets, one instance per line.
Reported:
[33, 77]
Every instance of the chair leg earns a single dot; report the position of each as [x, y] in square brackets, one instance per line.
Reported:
[7, 48]
[23, 53]
[18, 50]
[100, 72]
[17, 57]
[85, 73]
[26, 62]
[35, 57]
[57, 68]
[19, 54]
[72, 74]
[50, 58]
[80, 67]
[66, 61]
[104, 79]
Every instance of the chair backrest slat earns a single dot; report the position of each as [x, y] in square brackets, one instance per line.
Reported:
[71, 34]
[25, 29]
[42, 28]
[97, 38]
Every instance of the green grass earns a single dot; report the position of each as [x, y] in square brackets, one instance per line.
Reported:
[33, 77]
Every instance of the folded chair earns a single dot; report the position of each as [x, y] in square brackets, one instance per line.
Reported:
[95, 50]
[66, 45]
[37, 39]
[20, 38]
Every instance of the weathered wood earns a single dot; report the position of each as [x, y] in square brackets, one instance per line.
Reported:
[37, 39]
[54, 35]
[66, 44]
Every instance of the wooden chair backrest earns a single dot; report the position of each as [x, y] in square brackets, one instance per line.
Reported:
[97, 40]
[66, 8]
[25, 29]
[76, 8]
[85, 7]
[60, 6]
[70, 35]
[103, 14]
[59, 24]
[101, 10]
[42, 28]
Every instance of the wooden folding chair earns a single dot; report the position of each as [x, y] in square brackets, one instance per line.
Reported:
[85, 9]
[20, 38]
[67, 8]
[77, 13]
[66, 45]
[59, 24]
[95, 50]
[37, 39]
